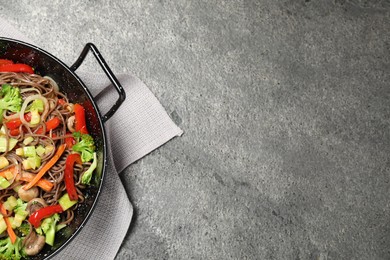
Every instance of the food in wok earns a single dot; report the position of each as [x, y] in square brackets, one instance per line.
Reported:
[47, 159]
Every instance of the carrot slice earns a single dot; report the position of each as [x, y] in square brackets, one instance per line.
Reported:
[10, 231]
[28, 177]
[46, 167]
[42, 183]
[12, 169]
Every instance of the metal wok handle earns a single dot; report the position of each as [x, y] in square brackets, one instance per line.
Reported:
[122, 95]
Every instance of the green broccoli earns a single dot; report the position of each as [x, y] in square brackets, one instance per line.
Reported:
[24, 229]
[20, 206]
[11, 99]
[85, 145]
[10, 251]
[20, 213]
[48, 227]
[87, 176]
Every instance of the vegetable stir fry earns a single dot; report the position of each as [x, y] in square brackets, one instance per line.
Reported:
[47, 159]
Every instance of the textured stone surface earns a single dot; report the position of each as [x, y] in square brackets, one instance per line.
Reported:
[285, 108]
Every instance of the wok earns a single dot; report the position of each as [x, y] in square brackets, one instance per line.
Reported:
[45, 64]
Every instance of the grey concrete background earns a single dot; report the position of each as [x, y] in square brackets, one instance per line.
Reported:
[285, 108]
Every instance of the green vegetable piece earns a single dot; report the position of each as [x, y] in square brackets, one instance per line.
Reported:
[11, 99]
[36, 105]
[35, 117]
[12, 221]
[39, 231]
[10, 203]
[85, 145]
[40, 150]
[20, 208]
[3, 144]
[3, 162]
[24, 228]
[49, 148]
[12, 251]
[18, 220]
[65, 202]
[29, 151]
[19, 151]
[60, 226]
[26, 165]
[48, 226]
[87, 176]
[28, 140]
[4, 183]
[31, 163]
[34, 162]
[16, 188]
[3, 225]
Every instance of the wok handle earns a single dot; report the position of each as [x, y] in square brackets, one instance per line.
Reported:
[122, 95]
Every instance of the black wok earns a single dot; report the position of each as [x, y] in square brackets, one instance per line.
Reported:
[46, 64]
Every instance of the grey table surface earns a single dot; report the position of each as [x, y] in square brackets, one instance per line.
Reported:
[285, 108]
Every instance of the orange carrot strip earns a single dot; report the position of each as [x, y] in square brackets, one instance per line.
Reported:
[28, 177]
[10, 169]
[10, 231]
[47, 167]
[42, 183]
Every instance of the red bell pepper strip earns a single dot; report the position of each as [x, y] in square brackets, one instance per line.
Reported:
[50, 125]
[37, 216]
[4, 62]
[14, 132]
[61, 101]
[68, 175]
[80, 125]
[15, 123]
[70, 141]
[16, 68]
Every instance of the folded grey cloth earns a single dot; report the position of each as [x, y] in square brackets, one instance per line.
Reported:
[137, 128]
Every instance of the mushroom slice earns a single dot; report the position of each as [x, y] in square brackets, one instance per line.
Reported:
[27, 195]
[35, 204]
[70, 123]
[34, 243]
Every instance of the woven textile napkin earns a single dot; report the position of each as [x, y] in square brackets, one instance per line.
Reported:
[137, 128]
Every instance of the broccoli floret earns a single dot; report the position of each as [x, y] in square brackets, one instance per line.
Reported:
[85, 145]
[87, 176]
[24, 229]
[11, 99]
[48, 227]
[20, 206]
[10, 251]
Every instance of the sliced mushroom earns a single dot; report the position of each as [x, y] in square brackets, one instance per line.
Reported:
[27, 195]
[34, 243]
[35, 204]
[70, 123]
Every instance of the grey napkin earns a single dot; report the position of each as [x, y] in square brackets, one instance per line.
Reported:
[137, 128]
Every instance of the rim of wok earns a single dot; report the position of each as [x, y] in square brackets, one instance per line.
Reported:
[48, 255]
